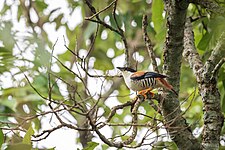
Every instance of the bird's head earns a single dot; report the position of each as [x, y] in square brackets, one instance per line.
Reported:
[126, 71]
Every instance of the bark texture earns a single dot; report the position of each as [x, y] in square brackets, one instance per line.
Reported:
[207, 82]
[176, 124]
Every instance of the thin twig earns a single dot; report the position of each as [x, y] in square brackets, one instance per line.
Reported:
[93, 42]
[217, 68]
[118, 30]
[97, 13]
[148, 43]
[127, 54]
[35, 88]
[105, 25]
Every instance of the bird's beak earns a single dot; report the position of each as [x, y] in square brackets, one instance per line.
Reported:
[120, 68]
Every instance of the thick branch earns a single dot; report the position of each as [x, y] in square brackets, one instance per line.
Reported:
[210, 5]
[190, 53]
[213, 118]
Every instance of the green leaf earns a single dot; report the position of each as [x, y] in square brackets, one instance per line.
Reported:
[90, 30]
[135, 1]
[57, 20]
[19, 146]
[214, 30]
[105, 146]
[19, 12]
[6, 36]
[101, 56]
[27, 137]
[41, 5]
[4, 9]
[91, 145]
[160, 144]
[204, 42]
[159, 23]
[1, 137]
[157, 11]
[52, 148]
[222, 147]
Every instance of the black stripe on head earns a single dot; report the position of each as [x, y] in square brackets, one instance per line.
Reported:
[126, 69]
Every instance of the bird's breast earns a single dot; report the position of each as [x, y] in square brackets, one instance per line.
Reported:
[138, 85]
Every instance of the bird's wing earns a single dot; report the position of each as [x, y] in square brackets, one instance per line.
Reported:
[154, 75]
[142, 74]
[138, 75]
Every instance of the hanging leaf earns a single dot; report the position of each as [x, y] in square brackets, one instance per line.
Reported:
[90, 30]
[91, 146]
[214, 30]
[19, 146]
[28, 135]
[1, 137]
[41, 5]
[159, 23]
[157, 12]
[204, 42]
[6, 36]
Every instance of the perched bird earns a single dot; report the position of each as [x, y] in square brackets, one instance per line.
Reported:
[143, 82]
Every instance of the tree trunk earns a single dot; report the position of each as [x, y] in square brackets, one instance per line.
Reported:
[176, 124]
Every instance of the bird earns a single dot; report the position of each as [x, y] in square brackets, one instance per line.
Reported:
[144, 81]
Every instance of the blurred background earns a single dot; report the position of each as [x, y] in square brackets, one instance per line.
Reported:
[55, 64]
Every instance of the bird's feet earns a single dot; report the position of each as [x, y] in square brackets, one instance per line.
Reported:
[146, 92]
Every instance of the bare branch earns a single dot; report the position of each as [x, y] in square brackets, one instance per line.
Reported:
[134, 120]
[217, 68]
[34, 88]
[72, 52]
[127, 54]
[148, 43]
[190, 53]
[118, 30]
[92, 43]
[97, 13]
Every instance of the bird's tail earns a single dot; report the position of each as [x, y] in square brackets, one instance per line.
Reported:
[167, 85]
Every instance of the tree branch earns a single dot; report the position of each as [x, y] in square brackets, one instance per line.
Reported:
[217, 68]
[117, 30]
[211, 5]
[190, 53]
[213, 118]
[217, 54]
[127, 54]
[148, 43]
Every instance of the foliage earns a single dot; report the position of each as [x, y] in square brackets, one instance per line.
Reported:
[74, 71]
